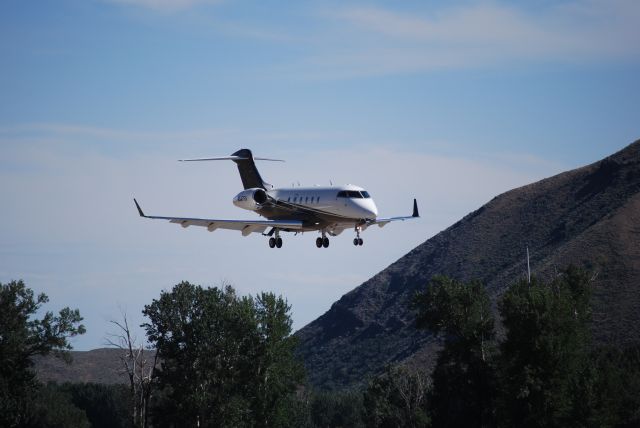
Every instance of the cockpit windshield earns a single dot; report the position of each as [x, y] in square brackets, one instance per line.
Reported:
[354, 194]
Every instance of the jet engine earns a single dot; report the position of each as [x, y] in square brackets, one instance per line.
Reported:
[250, 199]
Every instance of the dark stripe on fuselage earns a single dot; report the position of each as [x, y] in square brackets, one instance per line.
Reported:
[312, 218]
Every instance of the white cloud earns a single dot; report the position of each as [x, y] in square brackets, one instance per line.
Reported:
[165, 5]
[375, 40]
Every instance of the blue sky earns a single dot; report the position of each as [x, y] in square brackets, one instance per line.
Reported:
[449, 102]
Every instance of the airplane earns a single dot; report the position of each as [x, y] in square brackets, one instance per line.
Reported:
[328, 210]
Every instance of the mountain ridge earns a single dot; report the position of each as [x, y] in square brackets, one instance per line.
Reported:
[587, 216]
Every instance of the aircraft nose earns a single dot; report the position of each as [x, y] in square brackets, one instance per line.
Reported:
[371, 209]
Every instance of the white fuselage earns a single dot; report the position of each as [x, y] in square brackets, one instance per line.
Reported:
[349, 202]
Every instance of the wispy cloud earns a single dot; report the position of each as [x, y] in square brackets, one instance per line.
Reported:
[375, 40]
[93, 133]
[164, 5]
[72, 230]
[352, 41]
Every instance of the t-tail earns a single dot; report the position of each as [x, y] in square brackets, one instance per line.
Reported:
[249, 174]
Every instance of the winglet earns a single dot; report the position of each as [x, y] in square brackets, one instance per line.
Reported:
[415, 209]
[139, 209]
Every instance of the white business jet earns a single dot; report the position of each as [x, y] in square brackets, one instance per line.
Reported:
[327, 210]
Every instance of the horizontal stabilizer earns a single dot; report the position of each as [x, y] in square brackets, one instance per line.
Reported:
[233, 158]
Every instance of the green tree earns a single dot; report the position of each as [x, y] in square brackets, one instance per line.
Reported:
[614, 397]
[397, 398]
[105, 406]
[21, 338]
[278, 372]
[464, 377]
[545, 367]
[53, 407]
[225, 360]
[337, 409]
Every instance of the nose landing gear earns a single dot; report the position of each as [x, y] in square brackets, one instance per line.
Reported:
[358, 240]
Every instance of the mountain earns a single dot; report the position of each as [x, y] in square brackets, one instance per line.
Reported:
[589, 217]
[97, 366]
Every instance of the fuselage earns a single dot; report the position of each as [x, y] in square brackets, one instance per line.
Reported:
[317, 207]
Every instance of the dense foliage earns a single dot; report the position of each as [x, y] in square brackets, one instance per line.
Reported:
[464, 376]
[225, 360]
[542, 372]
[545, 357]
[397, 398]
[228, 360]
[22, 336]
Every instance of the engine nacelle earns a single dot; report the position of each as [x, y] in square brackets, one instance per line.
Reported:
[250, 199]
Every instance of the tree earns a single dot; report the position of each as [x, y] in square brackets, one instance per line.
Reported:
[545, 354]
[464, 377]
[53, 408]
[336, 409]
[278, 371]
[139, 365]
[21, 338]
[105, 406]
[397, 398]
[225, 360]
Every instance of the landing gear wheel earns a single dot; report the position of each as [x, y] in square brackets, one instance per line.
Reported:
[325, 242]
[360, 241]
[319, 242]
[279, 242]
[355, 242]
[272, 242]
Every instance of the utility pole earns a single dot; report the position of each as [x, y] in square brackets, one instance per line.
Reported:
[528, 268]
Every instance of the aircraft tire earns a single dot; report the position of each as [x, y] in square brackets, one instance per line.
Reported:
[355, 241]
[325, 242]
[279, 242]
[360, 241]
[272, 242]
[319, 242]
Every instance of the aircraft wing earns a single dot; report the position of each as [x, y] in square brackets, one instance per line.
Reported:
[382, 221]
[244, 226]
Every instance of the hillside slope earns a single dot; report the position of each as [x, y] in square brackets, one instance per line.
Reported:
[96, 366]
[589, 216]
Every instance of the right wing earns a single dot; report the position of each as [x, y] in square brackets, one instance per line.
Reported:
[245, 226]
[382, 221]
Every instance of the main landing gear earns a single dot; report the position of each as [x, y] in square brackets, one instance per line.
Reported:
[322, 241]
[358, 240]
[275, 241]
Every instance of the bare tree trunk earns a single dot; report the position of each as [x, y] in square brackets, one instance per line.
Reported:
[138, 370]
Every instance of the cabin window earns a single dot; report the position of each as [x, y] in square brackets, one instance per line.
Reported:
[295, 199]
[289, 199]
[306, 199]
[318, 199]
[350, 194]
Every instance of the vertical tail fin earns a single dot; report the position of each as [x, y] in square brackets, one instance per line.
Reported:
[248, 172]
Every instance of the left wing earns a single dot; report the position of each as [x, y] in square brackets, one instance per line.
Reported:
[382, 221]
[245, 226]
